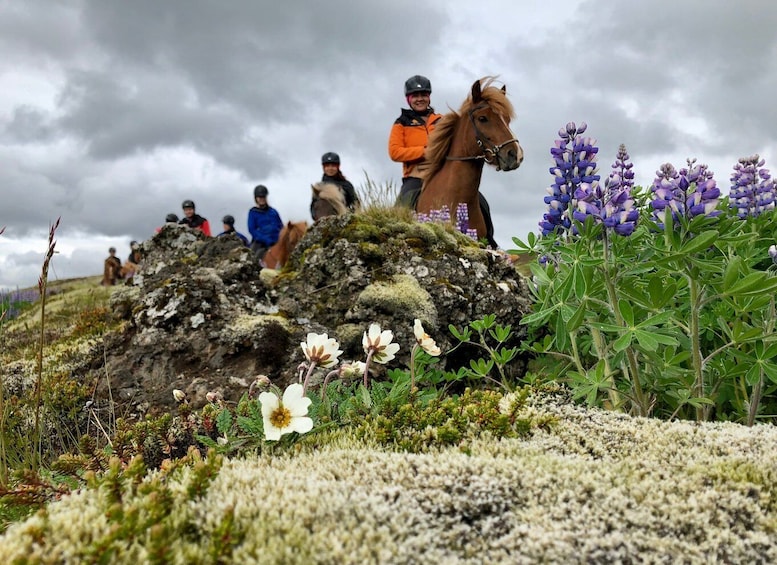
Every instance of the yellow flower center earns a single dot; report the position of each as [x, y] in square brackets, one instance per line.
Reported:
[280, 417]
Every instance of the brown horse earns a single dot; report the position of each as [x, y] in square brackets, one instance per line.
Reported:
[461, 143]
[328, 200]
[290, 235]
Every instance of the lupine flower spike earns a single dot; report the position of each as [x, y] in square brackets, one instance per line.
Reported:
[690, 192]
[443, 215]
[574, 171]
[752, 187]
[619, 213]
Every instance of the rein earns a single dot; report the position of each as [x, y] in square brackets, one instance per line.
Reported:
[489, 154]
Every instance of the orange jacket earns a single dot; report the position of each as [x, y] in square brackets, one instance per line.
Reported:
[407, 141]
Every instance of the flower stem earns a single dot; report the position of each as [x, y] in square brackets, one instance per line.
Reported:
[631, 372]
[367, 367]
[697, 363]
[307, 377]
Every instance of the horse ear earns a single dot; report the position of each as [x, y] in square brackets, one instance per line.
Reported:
[504, 88]
[476, 92]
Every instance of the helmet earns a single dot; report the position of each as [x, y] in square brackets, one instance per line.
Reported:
[417, 83]
[111, 250]
[187, 204]
[330, 158]
[260, 190]
[171, 218]
[228, 219]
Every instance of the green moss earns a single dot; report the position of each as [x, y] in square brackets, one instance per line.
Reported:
[402, 296]
[452, 421]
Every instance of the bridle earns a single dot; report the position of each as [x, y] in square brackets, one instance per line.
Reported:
[489, 153]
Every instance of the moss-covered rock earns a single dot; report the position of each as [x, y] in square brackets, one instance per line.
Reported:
[594, 487]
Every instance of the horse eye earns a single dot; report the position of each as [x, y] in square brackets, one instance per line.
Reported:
[482, 119]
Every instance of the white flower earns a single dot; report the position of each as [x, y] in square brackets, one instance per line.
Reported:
[321, 349]
[285, 416]
[423, 339]
[353, 369]
[380, 344]
[262, 380]
[179, 395]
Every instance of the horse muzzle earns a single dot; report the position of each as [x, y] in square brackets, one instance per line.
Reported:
[509, 156]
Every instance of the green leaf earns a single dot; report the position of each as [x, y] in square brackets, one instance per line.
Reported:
[579, 281]
[461, 336]
[500, 333]
[561, 331]
[623, 341]
[753, 283]
[753, 375]
[577, 318]
[626, 310]
[364, 395]
[537, 317]
[664, 339]
[224, 421]
[699, 242]
[646, 340]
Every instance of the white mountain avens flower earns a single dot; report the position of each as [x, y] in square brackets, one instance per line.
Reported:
[424, 340]
[283, 416]
[379, 343]
[321, 350]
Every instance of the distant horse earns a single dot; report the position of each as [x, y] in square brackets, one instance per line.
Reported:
[461, 143]
[328, 200]
[290, 235]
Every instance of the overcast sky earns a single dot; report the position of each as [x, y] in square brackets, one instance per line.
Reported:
[112, 112]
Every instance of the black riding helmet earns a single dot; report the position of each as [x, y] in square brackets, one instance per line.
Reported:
[187, 204]
[172, 217]
[330, 158]
[260, 190]
[417, 83]
[228, 219]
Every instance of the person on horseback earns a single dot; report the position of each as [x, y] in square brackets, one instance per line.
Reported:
[192, 219]
[409, 135]
[330, 162]
[229, 228]
[112, 268]
[407, 144]
[264, 223]
[169, 219]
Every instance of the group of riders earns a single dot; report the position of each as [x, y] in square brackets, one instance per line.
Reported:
[407, 145]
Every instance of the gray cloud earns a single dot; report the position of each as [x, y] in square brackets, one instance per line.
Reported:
[113, 112]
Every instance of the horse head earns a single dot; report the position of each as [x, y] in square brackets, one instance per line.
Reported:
[328, 200]
[489, 115]
[290, 235]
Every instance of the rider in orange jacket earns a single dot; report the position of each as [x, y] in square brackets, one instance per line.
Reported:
[409, 136]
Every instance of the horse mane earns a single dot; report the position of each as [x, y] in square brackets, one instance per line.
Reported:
[332, 194]
[442, 135]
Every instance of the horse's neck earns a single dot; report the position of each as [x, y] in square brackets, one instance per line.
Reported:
[458, 180]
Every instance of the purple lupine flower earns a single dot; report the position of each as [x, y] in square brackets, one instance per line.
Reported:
[752, 188]
[443, 215]
[619, 212]
[462, 217]
[690, 192]
[575, 165]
